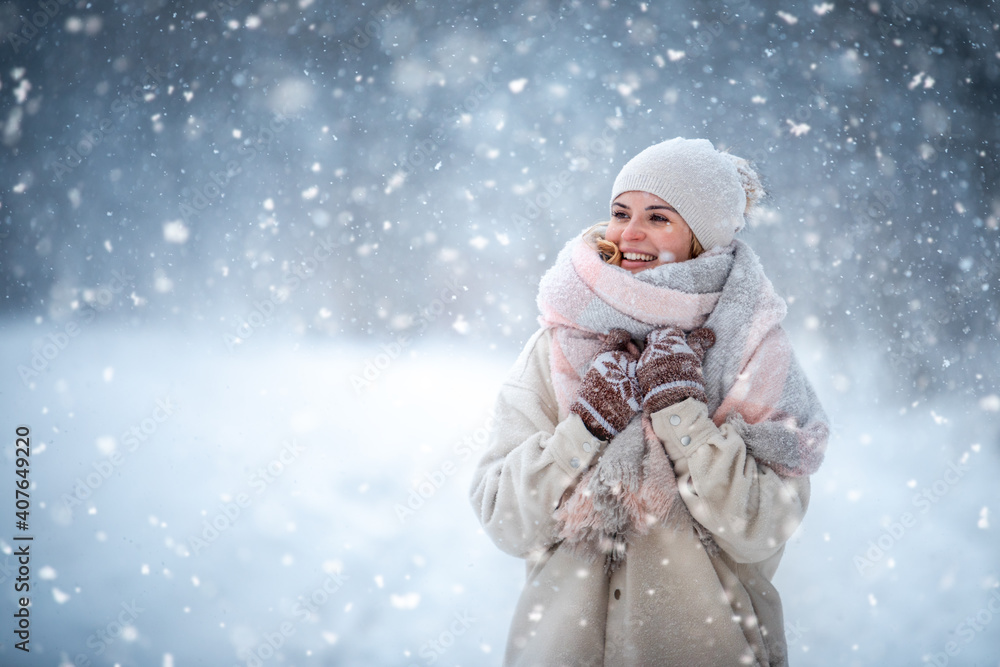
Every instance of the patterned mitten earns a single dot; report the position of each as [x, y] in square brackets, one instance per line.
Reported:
[609, 396]
[669, 369]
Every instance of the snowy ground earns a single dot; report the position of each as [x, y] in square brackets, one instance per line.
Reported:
[315, 558]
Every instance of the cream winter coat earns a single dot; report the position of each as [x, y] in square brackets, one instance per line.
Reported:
[672, 602]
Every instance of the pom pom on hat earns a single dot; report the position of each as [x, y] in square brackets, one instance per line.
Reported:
[750, 181]
[713, 191]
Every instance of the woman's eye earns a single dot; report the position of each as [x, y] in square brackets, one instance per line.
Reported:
[659, 218]
[619, 214]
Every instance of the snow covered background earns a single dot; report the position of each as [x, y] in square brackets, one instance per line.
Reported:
[314, 231]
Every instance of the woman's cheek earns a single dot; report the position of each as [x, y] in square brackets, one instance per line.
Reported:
[613, 235]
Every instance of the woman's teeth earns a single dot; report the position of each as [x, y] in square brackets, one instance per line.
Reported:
[638, 257]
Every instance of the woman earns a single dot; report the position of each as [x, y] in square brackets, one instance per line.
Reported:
[655, 437]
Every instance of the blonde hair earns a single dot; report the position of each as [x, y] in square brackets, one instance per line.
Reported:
[595, 236]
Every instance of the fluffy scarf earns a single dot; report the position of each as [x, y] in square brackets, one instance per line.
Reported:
[752, 381]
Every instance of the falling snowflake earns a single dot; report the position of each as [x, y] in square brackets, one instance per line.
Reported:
[797, 129]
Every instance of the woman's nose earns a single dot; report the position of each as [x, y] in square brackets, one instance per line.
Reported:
[632, 230]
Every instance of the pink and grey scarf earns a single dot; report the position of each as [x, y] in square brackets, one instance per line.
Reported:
[752, 381]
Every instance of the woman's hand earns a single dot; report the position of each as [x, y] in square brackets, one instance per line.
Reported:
[669, 369]
[609, 396]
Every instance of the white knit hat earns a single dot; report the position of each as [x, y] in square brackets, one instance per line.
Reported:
[712, 191]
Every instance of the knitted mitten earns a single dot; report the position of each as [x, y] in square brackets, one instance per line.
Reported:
[669, 369]
[609, 396]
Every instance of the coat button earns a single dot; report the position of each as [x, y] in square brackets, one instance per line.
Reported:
[675, 420]
[618, 594]
[586, 446]
[575, 462]
[686, 440]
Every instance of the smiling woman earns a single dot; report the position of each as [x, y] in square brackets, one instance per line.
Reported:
[648, 232]
[654, 441]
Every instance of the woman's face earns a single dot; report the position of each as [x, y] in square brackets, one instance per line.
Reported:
[648, 231]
